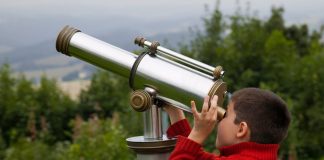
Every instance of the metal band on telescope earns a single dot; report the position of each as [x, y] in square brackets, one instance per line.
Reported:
[153, 47]
[134, 68]
[63, 39]
[219, 88]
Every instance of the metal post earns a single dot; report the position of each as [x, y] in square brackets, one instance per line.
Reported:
[153, 123]
[153, 145]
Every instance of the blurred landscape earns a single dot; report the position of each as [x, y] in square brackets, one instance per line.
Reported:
[29, 29]
[28, 36]
[54, 107]
[42, 58]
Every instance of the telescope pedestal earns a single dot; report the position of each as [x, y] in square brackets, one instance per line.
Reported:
[148, 149]
[155, 157]
[153, 145]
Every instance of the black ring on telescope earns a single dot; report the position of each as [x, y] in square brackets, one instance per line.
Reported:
[134, 69]
[64, 38]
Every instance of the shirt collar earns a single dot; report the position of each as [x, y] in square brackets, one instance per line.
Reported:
[252, 149]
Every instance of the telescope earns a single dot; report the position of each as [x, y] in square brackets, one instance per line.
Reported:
[158, 77]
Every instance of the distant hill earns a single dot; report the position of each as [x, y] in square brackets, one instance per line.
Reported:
[42, 58]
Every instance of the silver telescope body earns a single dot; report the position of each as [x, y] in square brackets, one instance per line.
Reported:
[176, 78]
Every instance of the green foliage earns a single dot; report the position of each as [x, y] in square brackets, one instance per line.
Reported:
[107, 93]
[7, 100]
[26, 149]
[33, 111]
[54, 109]
[35, 120]
[98, 140]
[2, 148]
[308, 108]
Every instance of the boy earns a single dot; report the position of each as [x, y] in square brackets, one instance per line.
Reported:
[256, 121]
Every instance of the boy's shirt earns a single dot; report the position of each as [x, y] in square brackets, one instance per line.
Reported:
[188, 149]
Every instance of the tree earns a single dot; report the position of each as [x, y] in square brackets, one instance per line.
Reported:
[108, 93]
[99, 139]
[26, 110]
[7, 101]
[25, 149]
[53, 112]
[17, 114]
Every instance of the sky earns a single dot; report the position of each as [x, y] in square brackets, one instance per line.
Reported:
[29, 22]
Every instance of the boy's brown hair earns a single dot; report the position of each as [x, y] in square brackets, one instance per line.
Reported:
[265, 113]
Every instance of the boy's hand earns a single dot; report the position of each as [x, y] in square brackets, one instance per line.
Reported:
[174, 113]
[205, 121]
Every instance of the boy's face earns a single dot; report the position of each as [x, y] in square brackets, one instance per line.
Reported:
[227, 129]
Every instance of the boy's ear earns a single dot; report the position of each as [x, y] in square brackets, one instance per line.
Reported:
[243, 131]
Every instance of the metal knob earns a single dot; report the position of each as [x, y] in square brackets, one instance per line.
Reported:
[139, 41]
[140, 100]
[218, 72]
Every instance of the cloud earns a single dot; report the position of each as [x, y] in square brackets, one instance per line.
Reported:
[5, 49]
[44, 18]
[140, 8]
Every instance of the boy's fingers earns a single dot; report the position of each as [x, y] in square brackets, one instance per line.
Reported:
[194, 109]
[213, 102]
[213, 106]
[205, 105]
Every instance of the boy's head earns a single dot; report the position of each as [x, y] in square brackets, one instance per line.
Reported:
[254, 115]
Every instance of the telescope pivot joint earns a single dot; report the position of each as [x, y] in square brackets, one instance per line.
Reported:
[142, 100]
